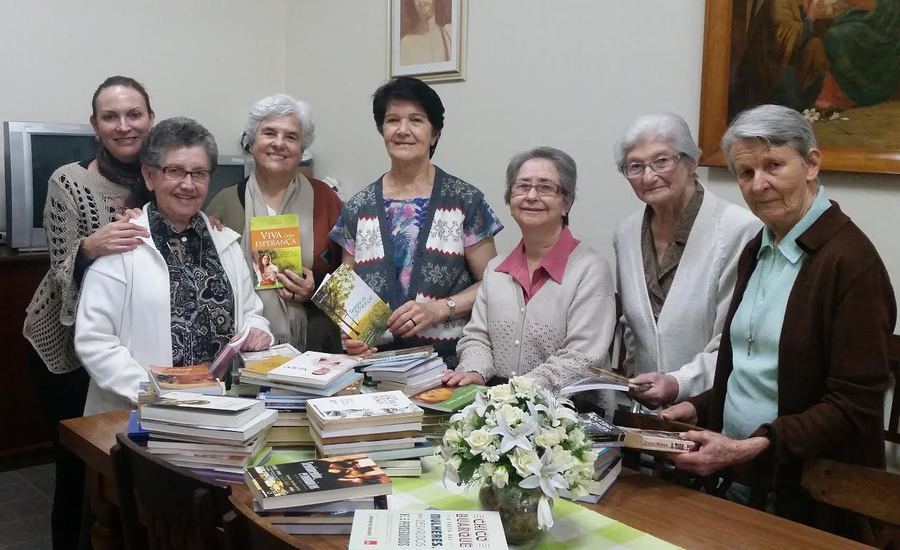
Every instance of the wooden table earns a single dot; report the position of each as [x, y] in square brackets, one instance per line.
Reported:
[673, 513]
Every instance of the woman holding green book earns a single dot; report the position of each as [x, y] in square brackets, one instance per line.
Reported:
[279, 128]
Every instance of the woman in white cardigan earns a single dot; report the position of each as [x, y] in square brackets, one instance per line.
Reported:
[547, 310]
[178, 297]
[676, 260]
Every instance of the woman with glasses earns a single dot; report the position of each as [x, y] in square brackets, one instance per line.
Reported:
[418, 236]
[548, 308]
[278, 129]
[179, 296]
[675, 262]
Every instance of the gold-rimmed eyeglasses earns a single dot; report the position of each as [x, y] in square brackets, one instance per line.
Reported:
[660, 165]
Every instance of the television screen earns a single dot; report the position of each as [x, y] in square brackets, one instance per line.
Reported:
[49, 152]
[226, 175]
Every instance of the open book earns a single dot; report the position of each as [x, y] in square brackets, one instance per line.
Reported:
[352, 305]
[603, 380]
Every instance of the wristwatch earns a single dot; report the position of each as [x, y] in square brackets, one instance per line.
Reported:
[451, 305]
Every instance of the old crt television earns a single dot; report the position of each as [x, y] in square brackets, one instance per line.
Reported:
[32, 151]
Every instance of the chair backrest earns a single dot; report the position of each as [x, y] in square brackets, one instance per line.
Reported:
[869, 492]
[893, 431]
[246, 529]
[162, 506]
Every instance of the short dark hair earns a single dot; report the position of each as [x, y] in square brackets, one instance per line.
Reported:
[407, 88]
[125, 81]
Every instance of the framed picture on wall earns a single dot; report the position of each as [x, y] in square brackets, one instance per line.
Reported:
[837, 61]
[427, 39]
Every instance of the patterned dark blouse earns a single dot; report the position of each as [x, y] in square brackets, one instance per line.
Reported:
[201, 298]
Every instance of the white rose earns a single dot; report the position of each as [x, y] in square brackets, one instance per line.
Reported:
[513, 415]
[560, 456]
[523, 385]
[454, 463]
[522, 461]
[486, 469]
[502, 393]
[478, 440]
[576, 437]
[500, 477]
[547, 439]
[451, 437]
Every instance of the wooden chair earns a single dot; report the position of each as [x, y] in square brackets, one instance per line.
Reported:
[865, 491]
[893, 432]
[245, 529]
[165, 507]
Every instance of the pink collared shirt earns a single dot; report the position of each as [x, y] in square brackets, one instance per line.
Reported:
[553, 265]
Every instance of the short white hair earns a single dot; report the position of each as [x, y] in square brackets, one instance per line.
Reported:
[774, 125]
[278, 105]
[666, 127]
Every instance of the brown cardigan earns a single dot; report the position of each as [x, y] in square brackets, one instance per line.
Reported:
[832, 359]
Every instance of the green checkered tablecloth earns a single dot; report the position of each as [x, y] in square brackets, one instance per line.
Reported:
[574, 526]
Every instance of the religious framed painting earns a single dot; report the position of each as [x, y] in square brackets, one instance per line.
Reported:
[836, 61]
[427, 39]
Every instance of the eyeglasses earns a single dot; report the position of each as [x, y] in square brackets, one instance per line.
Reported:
[177, 173]
[543, 189]
[660, 165]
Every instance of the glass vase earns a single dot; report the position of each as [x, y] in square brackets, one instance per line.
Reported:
[518, 510]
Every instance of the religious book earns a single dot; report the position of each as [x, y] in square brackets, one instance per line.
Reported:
[448, 398]
[448, 530]
[193, 378]
[274, 247]
[313, 368]
[657, 440]
[316, 481]
[366, 409]
[204, 410]
[352, 305]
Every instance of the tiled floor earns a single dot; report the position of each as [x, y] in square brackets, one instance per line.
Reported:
[26, 497]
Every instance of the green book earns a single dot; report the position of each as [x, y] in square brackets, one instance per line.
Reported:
[447, 398]
[274, 247]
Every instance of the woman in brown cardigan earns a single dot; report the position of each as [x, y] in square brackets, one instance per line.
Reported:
[802, 366]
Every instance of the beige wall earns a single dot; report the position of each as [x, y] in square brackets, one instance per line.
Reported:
[207, 59]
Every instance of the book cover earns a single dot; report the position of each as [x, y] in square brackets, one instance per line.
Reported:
[601, 431]
[446, 398]
[274, 247]
[657, 440]
[205, 410]
[193, 378]
[398, 355]
[316, 481]
[313, 368]
[352, 305]
[449, 530]
[278, 350]
[365, 408]
[226, 355]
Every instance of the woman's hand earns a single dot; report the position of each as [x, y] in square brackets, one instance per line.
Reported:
[356, 347]
[453, 378]
[654, 389]
[129, 214]
[297, 288]
[413, 317]
[717, 452]
[113, 238]
[215, 222]
[257, 340]
[682, 412]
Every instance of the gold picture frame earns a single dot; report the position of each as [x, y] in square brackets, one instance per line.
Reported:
[427, 39]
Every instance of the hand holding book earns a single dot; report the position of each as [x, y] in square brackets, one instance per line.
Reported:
[654, 389]
[296, 287]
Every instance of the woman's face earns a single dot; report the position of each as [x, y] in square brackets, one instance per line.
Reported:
[533, 210]
[778, 185]
[265, 260]
[278, 145]
[660, 190]
[178, 199]
[408, 134]
[122, 121]
[425, 8]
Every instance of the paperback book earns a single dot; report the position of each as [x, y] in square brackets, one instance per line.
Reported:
[352, 305]
[274, 247]
[194, 379]
[316, 481]
[313, 368]
[367, 409]
[601, 432]
[449, 530]
[657, 440]
[204, 410]
[447, 398]
[605, 380]
[226, 355]
[398, 356]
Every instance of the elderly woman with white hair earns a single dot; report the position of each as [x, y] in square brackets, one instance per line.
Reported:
[676, 261]
[546, 310]
[802, 366]
[279, 128]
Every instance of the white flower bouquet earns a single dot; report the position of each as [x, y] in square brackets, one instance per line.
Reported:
[518, 434]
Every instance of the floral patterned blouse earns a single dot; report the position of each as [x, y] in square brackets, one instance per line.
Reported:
[201, 298]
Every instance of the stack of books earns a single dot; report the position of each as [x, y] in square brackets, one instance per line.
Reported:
[318, 496]
[258, 364]
[216, 436]
[607, 441]
[310, 374]
[411, 371]
[386, 426]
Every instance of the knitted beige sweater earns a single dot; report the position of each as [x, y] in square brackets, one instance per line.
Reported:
[78, 203]
[564, 329]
